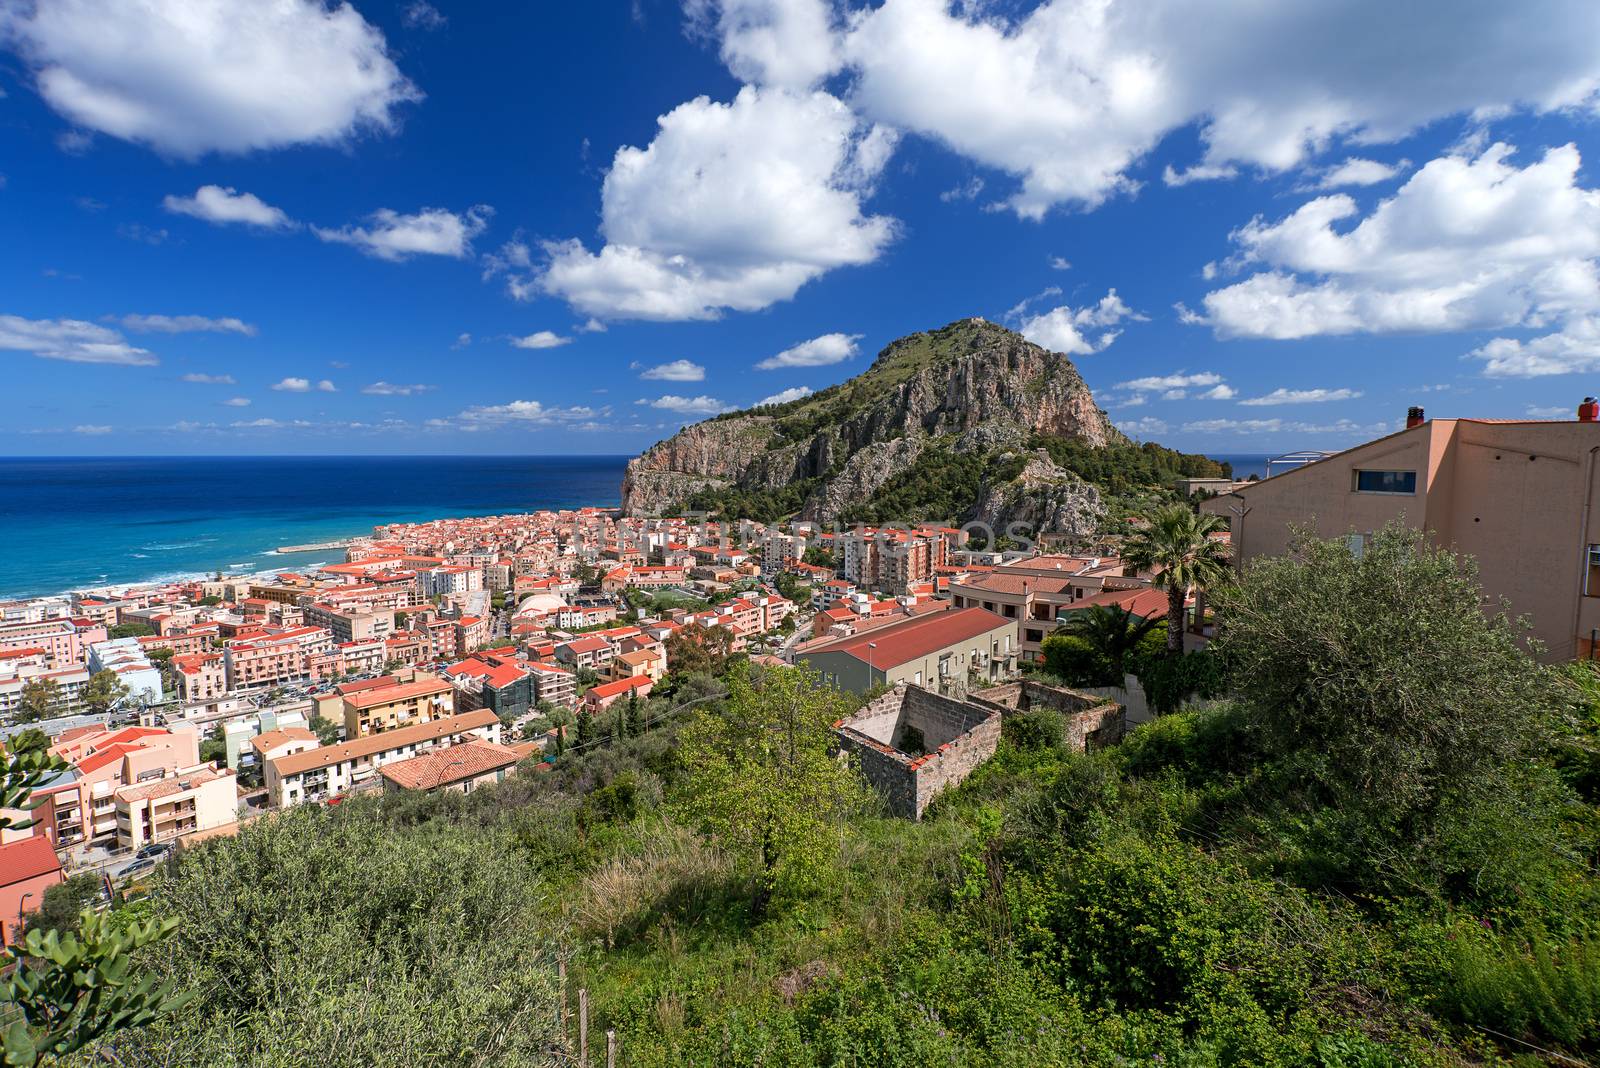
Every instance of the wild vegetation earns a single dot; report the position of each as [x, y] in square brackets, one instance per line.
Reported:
[944, 485]
[1378, 850]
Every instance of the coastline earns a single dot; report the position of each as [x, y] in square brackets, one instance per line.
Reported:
[96, 523]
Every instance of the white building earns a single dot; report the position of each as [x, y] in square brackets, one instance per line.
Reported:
[126, 658]
[328, 771]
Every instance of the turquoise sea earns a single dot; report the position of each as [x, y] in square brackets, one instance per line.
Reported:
[76, 522]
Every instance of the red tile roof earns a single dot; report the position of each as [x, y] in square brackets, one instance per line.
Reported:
[1148, 603]
[454, 764]
[621, 686]
[900, 643]
[27, 859]
[406, 691]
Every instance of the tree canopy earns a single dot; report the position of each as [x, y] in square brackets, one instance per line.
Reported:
[760, 777]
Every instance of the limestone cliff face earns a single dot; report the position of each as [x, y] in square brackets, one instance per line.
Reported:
[972, 382]
[1044, 497]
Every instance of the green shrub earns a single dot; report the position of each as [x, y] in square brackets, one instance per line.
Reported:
[1169, 681]
[1532, 987]
[1077, 662]
[1039, 728]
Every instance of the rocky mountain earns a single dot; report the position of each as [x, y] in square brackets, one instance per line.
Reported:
[972, 396]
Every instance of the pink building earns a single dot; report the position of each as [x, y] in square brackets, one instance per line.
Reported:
[27, 869]
[107, 760]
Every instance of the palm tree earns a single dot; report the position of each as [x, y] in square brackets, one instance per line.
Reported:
[1112, 631]
[1178, 548]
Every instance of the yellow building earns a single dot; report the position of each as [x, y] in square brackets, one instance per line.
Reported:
[403, 705]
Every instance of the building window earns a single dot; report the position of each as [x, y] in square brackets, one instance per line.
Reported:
[1036, 636]
[1386, 481]
[1591, 575]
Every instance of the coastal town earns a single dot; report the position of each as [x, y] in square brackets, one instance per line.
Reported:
[494, 637]
[446, 655]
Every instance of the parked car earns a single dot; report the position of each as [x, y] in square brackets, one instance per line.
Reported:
[156, 850]
[138, 867]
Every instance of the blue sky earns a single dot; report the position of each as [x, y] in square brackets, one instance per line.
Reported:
[233, 227]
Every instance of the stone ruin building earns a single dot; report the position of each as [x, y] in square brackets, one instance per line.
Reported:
[913, 744]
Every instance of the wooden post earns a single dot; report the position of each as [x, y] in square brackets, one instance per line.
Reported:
[583, 1027]
[611, 1049]
[561, 981]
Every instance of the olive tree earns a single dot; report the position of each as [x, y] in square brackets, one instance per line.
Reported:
[1376, 684]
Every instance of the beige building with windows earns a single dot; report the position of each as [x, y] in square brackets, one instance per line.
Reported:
[943, 651]
[188, 800]
[331, 770]
[1035, 591]
[1517, 495]
[403, 705]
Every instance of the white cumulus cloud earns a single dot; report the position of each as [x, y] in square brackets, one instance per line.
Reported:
[1071, 96]
[732, 206]
[1079, 331]
[192, 76]
[293, 385]
[200, 378]
[540, 339]
[687, 405]
[522, 412]
[1358, 171]
[818, 352]
[1465, 244]
[224, 204]
[793, 393]
[186, 324]
[72, 340]
[392, 236]
[390, 389]
[786, 43]
[676, 371]
[1301, 396]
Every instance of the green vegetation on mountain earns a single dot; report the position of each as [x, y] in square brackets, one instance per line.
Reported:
[761, 505]
[941, 486]
[1378, 851]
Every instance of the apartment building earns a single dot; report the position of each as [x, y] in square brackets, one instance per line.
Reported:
[285, 741]
[318, 774]
[940, 651]
[64, 641]
[499, 684]
[182, 802]
[103, 761]
[647, 662]
[126, 659]
[463, 768]
[274, 659]
[780, 551]
[351, 622]
[1036, 591]
[202, 677]
[603, 696]
[1517, 495]
[388, 708]
[589, 651]
[554, 685]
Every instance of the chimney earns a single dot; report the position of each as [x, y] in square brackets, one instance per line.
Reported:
[1589, 410]
[1413, 416]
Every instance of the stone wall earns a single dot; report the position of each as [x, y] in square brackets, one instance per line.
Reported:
[957, 736]
[1090, 720]
[953, 761]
